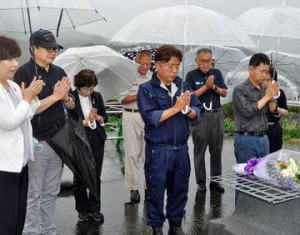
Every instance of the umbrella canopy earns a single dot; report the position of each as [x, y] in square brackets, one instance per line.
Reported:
[30, 15]
[115, 73]
[72, 146]
[287, 66]
[275, 22]
[183, 25]
[131, 53]
[224, 58]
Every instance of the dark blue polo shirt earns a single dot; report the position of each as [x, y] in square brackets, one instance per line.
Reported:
[196, 79]
[48, 123]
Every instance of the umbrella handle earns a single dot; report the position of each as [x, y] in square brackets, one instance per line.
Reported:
[92, 125]
[186, 109]
[208, 108]
[277, 96]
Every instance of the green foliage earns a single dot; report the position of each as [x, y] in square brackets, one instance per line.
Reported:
[228, 110]
[294, 109]
[290, 129]
[229, 126]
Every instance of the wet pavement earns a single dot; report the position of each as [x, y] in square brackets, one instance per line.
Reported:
[124, 218]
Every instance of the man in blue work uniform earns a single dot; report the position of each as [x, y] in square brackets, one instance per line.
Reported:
[167, 165]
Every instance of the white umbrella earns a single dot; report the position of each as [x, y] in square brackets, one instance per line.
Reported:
[31, 15]
[274, 22]
[183, 25]
[115, 73]
[224, 58]
[287, 66]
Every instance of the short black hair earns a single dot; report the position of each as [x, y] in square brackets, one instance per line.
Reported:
[273, 73]
[259, 58]
[85, 78]
[165, 52]
[9, 48]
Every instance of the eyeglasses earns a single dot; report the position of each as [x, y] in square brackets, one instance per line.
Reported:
[205, 61]
[50, 50]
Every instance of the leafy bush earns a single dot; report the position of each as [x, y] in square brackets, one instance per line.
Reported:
[228, 126]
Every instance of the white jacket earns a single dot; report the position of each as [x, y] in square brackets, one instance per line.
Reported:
[11, 137]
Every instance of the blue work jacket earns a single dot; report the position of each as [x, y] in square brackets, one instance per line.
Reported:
[152, 100]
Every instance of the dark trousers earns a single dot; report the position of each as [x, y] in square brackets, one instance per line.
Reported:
[84, 201]
[166, 169]
[274, 134]
[208, 132]
[13, 201]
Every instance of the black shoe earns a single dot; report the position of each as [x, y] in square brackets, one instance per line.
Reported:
[216, 187]
[157, 231]
[201, 188]
[83, 216]
[98, 216]
[135, 195]
[175, 229]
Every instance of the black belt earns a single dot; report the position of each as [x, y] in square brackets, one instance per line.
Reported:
[210, 111]
[132, 110]
[257, 133]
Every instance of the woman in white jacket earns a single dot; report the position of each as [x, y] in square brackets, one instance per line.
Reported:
[17, 106]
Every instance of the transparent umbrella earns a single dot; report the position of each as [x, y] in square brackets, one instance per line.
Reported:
[224, 58]
[287, 66]
[30, 15]
[115, 73]
[183, 25]
[268, 25]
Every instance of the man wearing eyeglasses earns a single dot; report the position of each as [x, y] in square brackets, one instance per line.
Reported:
[208, 85]
[46, 170]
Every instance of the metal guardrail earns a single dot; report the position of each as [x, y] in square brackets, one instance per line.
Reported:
[268, 192]
[115, 108]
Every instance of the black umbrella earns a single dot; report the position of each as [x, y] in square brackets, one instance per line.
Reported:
[72, 146]
[130, 53]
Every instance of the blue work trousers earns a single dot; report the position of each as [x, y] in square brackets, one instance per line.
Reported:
[166, 168]
[246, 147]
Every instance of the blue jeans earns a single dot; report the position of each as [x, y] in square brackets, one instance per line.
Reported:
[246, 147]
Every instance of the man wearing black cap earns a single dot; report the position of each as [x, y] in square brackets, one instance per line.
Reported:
[46, 170]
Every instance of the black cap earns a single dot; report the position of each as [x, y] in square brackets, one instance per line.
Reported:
[44, 38]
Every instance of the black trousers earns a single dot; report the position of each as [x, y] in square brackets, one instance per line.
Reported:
[13, 201]
[274, 134]
[84, 201]
[208, 132]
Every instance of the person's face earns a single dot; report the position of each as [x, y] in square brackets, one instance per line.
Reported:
[45, 56]
[268, 81]
[144, 62]
[8, 68]
[85, 91]
[259, 74]
[203, 60]
[167, 71]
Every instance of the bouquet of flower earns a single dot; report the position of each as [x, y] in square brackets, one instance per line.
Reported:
[280, 168]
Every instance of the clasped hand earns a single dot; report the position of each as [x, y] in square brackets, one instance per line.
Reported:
[33, 90]
[272, 90]
[61, 88]
[210, 82]
[183, 100]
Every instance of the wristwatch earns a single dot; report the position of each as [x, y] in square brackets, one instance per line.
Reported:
[215, 87]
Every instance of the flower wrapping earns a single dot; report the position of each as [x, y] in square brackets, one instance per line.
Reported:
[280, 168]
